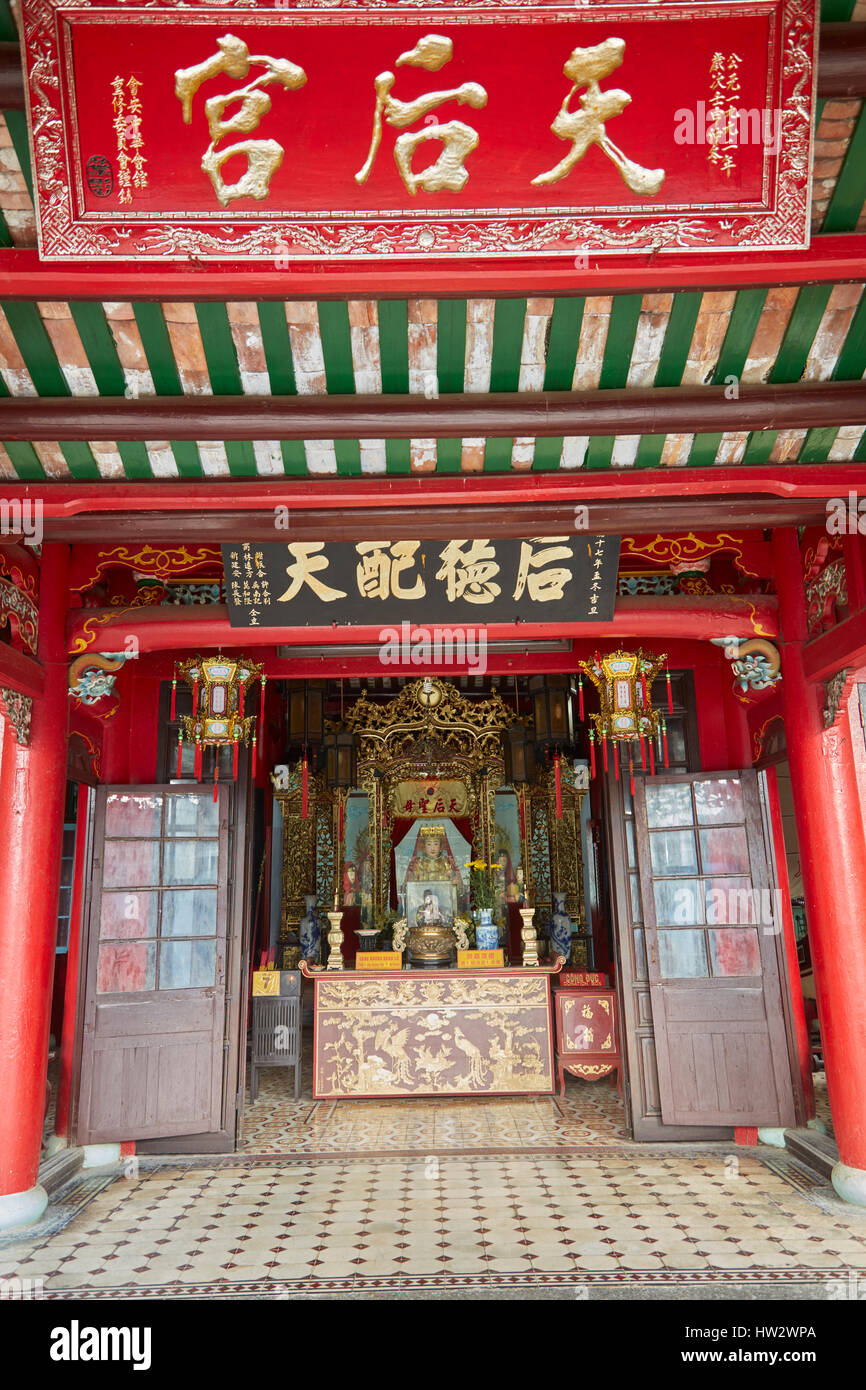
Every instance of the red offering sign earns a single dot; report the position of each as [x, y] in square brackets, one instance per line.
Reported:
[476, 128]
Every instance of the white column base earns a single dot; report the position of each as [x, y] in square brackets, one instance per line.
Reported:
[817, 1125]
[22, 1208]
[98, 1155]
[56, 1144]
[850, 1184]
[774, 1137]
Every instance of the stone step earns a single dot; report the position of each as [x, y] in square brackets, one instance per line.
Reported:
[812, 1147]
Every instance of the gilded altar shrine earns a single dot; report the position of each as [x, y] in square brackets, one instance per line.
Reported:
[433, 1034]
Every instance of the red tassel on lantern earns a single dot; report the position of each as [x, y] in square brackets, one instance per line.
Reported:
[580, 696]
[643, 688]
[195, 698]
[670, 696]
[652, 758]
[643, 752]
[216, 774]
[198, 760]
[665, 741]
[255, 761]
[235, 758]
[304, 789]
[173, 714]
[262, 700]
[557, 781]
[179, 754]
[616, 761]
[591, 754]
[630, 771]
[604, 750]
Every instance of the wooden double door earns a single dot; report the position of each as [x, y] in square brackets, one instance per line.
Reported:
[701, 956]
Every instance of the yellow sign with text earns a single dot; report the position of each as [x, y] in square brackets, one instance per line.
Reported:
[379, 960]
[265, 983]
[480, 960]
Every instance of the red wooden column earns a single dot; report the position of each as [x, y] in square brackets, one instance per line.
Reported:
[832, 846]
[32, 789]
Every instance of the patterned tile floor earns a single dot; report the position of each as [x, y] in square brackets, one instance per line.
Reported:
[275, 1123]
[625, 1220]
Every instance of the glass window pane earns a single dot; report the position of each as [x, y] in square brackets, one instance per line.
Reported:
[187, 964]
[719, 802]
[190, 861]
[679, 903]
[128, 915]
[725, 851]
[192, 815]
[731, 901]
[682, 955]
[668, 805]
[640, 969]
[673, 852]
[676, 741]
[627, 799]
[630, 845]
[126, 967]
[636, 905]
[131, 863]
[735, 951]
[190, 912]
[126, 814]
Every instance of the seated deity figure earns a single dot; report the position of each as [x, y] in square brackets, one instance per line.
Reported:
[433, 862]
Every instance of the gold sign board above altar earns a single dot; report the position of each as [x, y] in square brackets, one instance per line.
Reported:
[430, 798]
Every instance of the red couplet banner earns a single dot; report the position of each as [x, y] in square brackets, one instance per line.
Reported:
[479, 128]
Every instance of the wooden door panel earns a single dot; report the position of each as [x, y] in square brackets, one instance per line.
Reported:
[726, 1074]
[721, 1044]
[152, 1057]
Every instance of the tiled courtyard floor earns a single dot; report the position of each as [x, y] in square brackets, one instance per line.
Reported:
[539, 1217]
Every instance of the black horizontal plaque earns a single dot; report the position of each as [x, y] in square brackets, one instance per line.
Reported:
[560, 579]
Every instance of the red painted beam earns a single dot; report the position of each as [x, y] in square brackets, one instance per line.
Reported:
[830, 258]
[842, 646]
[503, 414]
[20, 672]
[165, 627]
[817, 480]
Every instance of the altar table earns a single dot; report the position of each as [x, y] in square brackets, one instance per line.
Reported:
[433, 1033]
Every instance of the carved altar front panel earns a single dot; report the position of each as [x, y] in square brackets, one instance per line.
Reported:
[430, 1034]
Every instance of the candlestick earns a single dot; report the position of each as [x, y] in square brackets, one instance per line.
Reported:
[530, 940]
[335, 940]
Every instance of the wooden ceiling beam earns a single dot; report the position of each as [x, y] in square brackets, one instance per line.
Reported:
[539, 414]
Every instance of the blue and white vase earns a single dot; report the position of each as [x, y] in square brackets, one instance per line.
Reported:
[559, 927]
[310, 931]
[486, 934]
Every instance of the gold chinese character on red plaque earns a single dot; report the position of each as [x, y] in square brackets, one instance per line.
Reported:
[264, 157]
[459, 140]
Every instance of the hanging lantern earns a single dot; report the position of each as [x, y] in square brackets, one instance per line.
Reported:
[624, 684]
[219, 687]
[553, 718]
[339, 755]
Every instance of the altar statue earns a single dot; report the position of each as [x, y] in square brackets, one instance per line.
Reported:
[433, 863]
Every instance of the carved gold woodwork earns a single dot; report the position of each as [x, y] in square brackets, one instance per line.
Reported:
[429, 730]
[300, 835]
[555, 847]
